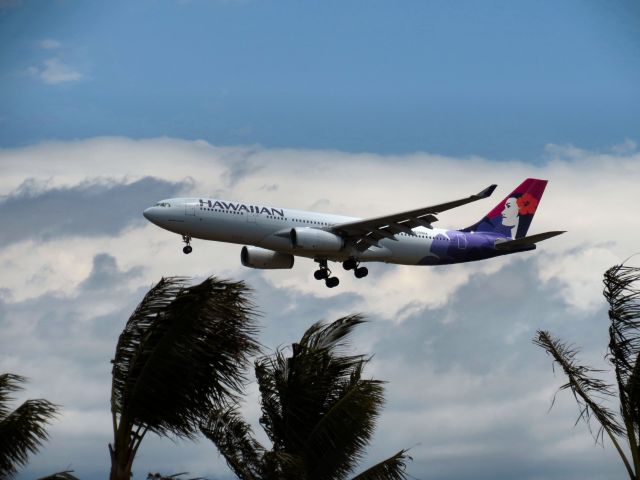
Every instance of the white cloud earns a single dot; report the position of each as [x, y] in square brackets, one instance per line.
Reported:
[588, 195]
[54, 71]
[463, 378]
[579, 290]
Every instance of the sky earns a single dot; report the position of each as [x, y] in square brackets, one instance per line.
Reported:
[355, 108]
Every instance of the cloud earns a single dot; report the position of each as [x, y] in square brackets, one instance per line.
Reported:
[467, 389]
[49, 44]
[581, 190]
[54, 71]
[91, 208]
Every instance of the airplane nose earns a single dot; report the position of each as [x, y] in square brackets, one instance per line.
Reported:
[147, 214]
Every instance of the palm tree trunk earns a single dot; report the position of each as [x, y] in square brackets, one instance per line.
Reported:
[124, 449]
[120, 464]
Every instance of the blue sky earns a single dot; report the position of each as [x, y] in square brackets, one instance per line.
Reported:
[347, 107]
[497, 79]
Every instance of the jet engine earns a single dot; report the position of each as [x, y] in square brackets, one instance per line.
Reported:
[256, 257]
[315, 240]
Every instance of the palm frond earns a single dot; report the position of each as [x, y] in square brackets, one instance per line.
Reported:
[339, 438]
[622, 292]
[586, 389]
[183, 349]
[160, 476]
[22, 431]
[233, 438]
[9, 383]
[331, 335]
[393, 468]
[130, 350]
[298, 390]
[66, 475]
[317, 410]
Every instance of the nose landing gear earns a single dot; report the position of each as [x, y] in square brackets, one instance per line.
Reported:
[187, 248]
[323, 273]
[353, 264]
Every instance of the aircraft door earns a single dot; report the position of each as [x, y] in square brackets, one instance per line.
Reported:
[190, 209]
[462, 241]
[252, 216]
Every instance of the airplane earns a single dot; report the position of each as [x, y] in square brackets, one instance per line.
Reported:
[273, 236]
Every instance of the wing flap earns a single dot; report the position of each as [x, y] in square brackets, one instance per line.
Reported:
[388, 226]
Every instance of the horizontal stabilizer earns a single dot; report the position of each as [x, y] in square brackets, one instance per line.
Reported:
[524, 241]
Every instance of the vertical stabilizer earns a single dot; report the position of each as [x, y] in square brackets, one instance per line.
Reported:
[512, 217]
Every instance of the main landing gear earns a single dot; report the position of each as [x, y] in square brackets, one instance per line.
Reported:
[187, 248]
[323, 273]
[352, 264]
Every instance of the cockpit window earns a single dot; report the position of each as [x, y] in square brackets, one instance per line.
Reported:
[163, 204]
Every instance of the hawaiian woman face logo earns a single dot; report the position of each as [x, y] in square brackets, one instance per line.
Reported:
[510, 212]
[516, 208]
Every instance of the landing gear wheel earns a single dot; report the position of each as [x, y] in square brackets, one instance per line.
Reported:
[350, 264]
[321, 274]
[361, 272]
[187, 248]
[332, 282]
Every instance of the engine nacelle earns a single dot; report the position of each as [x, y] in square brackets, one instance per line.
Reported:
[315, 240]
[256, 257]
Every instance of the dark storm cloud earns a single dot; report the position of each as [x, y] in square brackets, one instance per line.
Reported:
[91, 208]
[239, 165]
[491, 320]
[71, 322]
[286, 314]
[105, 273]
[484, 331]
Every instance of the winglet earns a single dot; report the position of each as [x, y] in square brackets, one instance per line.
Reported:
[487, 191]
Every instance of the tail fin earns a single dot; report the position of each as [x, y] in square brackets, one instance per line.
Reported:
[512, 217]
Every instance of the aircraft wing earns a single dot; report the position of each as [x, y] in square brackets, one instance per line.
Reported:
[367, 232]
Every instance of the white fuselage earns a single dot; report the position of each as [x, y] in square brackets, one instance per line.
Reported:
[269, 228]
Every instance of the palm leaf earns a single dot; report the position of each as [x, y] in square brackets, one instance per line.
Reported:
[317, 410]
[183, 352]
[338, 440]
[393, 468]
[331, 336]
[159, 476]
[233, 438]
[298, 390]
[622, 293]
[586, 389]
[130, 350]
[9, 383]
[183, 349]
[22, 431]
[66, 475]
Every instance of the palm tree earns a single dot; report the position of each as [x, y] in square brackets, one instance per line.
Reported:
[22, 430]
[622, 292]
[317, 410]
[182, 353]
